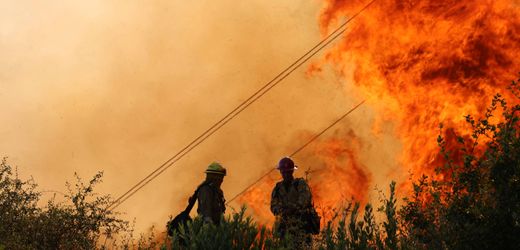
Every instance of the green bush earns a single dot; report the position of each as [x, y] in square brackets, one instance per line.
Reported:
[76, 223]
[476, 205]
[362, 233]
[234, 232]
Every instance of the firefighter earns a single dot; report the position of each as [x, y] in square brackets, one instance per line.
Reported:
[211, 202]
[290, 200]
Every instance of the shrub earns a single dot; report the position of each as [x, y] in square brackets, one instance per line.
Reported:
[233, 232]
[474, 200]
[76, 223]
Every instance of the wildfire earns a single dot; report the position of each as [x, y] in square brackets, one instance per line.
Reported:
[344, 177]
[339, 177]
[418, 63]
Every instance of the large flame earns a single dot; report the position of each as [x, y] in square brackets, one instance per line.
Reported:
[418, 63]
[424, 62]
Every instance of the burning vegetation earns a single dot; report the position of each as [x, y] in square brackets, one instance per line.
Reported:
[418, 64]
[476, 208]
[423, 62]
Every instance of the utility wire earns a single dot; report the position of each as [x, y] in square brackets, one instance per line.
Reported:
[215, 127]
[297, 150]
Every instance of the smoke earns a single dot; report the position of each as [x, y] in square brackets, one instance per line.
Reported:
[120, 86]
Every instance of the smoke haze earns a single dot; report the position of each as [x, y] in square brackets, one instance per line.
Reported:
[120, 86]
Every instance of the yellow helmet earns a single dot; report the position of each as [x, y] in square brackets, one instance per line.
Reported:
[216, 168]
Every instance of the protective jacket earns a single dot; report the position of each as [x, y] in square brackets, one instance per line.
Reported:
[211, 202]
[289, 202]
[288, 198]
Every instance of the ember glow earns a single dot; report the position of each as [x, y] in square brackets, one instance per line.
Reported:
[418, 63]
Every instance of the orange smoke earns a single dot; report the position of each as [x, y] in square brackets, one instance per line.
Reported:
[418, 63]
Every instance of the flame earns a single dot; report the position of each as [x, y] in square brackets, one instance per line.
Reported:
[258, 199]
[418, 63]
[343, 176]
[337, 168]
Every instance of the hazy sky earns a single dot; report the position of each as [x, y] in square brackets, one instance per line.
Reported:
[120, 86]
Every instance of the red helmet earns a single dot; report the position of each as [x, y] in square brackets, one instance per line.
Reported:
[286, 164]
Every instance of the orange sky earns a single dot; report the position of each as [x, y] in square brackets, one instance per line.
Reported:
[120, 86]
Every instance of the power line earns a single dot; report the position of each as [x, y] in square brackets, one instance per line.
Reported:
[297, 150]
[237, 110]
[234, 112]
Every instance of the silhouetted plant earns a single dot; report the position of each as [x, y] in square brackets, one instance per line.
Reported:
[474, 200]
[76, 223]
[233, 232]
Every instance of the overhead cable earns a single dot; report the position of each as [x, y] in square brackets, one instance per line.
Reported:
[237, 110]
[297, 150]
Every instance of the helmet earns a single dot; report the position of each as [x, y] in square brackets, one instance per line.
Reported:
[216, 168]
[286, 164]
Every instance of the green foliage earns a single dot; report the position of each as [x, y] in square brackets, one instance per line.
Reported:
[474, 201]
[18, 206]
[362, 233]
[76, 223]
[240, 232]
[234, 232]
